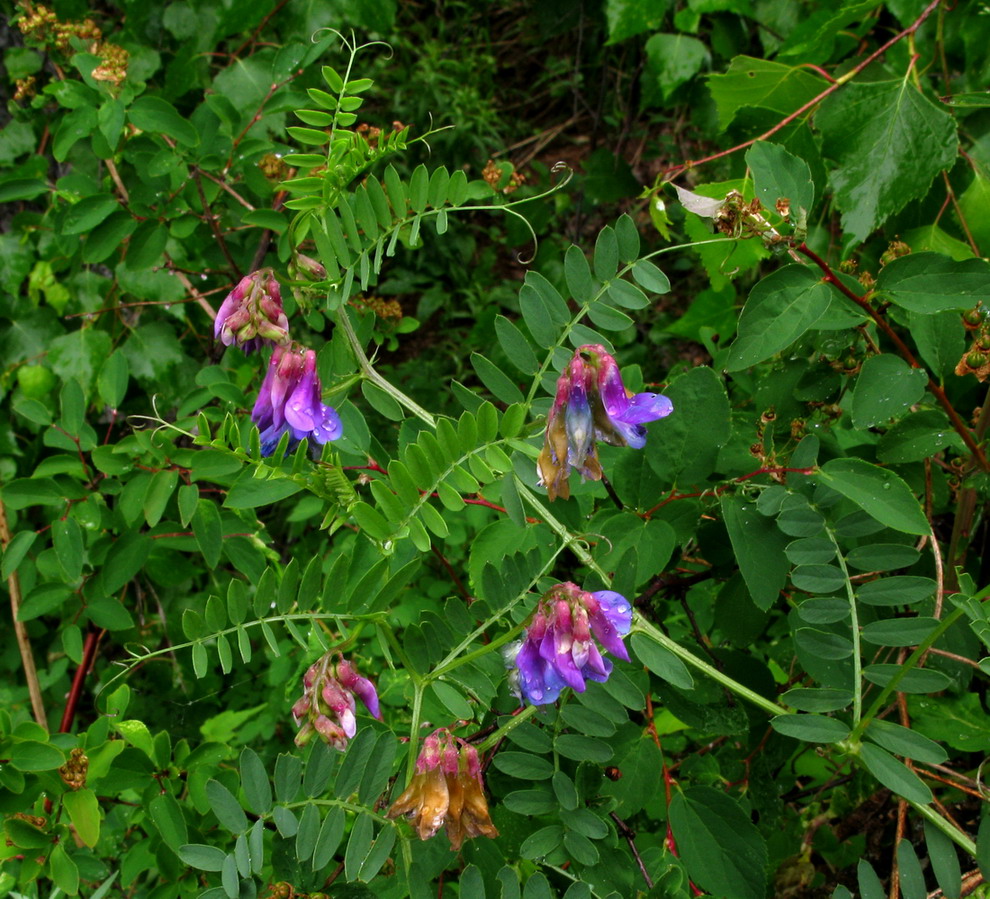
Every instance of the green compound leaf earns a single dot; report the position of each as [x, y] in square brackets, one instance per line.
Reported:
[904, 741]
[945, 861]
[779, 310]
[890, 141]
[161, 117]
[759, 547]
[720, 846]
[254, 778]
[899, 631]
[877, 492]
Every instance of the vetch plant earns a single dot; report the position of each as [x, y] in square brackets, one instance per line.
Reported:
[327, 705]
[557, 649]
[592, 403]
[290, 401]
[446, 790]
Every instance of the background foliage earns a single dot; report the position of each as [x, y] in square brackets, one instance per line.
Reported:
[804, 539]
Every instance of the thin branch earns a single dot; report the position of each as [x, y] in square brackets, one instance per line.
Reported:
[211, 220]
[902, 348]
[812, 103]
[72, 703]
[630, 837]
[23, 642]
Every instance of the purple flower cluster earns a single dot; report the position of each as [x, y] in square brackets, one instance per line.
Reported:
[252, 313]
[291, 400]
[592, 404]
[327, 705]
[557, 649]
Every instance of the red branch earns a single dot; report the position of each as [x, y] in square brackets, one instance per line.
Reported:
[75, 691]
[902, 348]
[718, 491]
[676, 170]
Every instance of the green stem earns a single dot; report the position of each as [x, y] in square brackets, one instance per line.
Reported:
[343, 319]
[400, 653]
[640, 623]
[417, 711]
[854, 617]
[509, 726]
[909, 665]
[451, 660]
[347, 806]
[572, 542]
[643, 626]
[953, 833]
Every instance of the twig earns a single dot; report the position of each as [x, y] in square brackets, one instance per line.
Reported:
[211, 220]
[23, 642]
[902, 348]
[72, 703]
[197, 296]
[115, 175]
[812, 103]
[630, 838]
[225, 186]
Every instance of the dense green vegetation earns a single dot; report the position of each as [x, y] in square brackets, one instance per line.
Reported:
[594, 391]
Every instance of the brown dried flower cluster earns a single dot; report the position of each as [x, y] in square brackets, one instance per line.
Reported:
[446, 790]
[388, 309]
[494, 174]
[42, 26]
[73, 772]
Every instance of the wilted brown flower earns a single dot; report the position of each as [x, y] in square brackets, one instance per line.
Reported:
[446, 789]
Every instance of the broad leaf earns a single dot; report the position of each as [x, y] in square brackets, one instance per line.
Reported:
[779, 310]
[889, 142]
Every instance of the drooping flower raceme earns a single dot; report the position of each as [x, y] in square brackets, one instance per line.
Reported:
[592, 404]
[290, 400]
[252, 314]
[327, 705]
[558, 648]
[446, 789]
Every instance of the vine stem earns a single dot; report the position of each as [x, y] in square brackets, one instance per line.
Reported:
[952, 832]
[509, 726]
[343, 319]
[417, 711]
[676, 170]
[854, 620]
[909, 665]
[20, 631]
[902, 348]
[640, 624]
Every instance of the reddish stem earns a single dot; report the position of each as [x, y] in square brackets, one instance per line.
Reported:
[811, 104]
[718, 491]
[75, 691]
[902, 348]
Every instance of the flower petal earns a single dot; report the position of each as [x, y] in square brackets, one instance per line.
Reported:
[647, 407]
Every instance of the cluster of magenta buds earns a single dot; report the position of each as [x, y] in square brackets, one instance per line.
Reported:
[327, 705]
[447, 789]
[592, 403]
[252, 316]
[558, 647]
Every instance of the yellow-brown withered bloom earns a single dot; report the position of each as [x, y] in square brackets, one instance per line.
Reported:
[446, 789]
